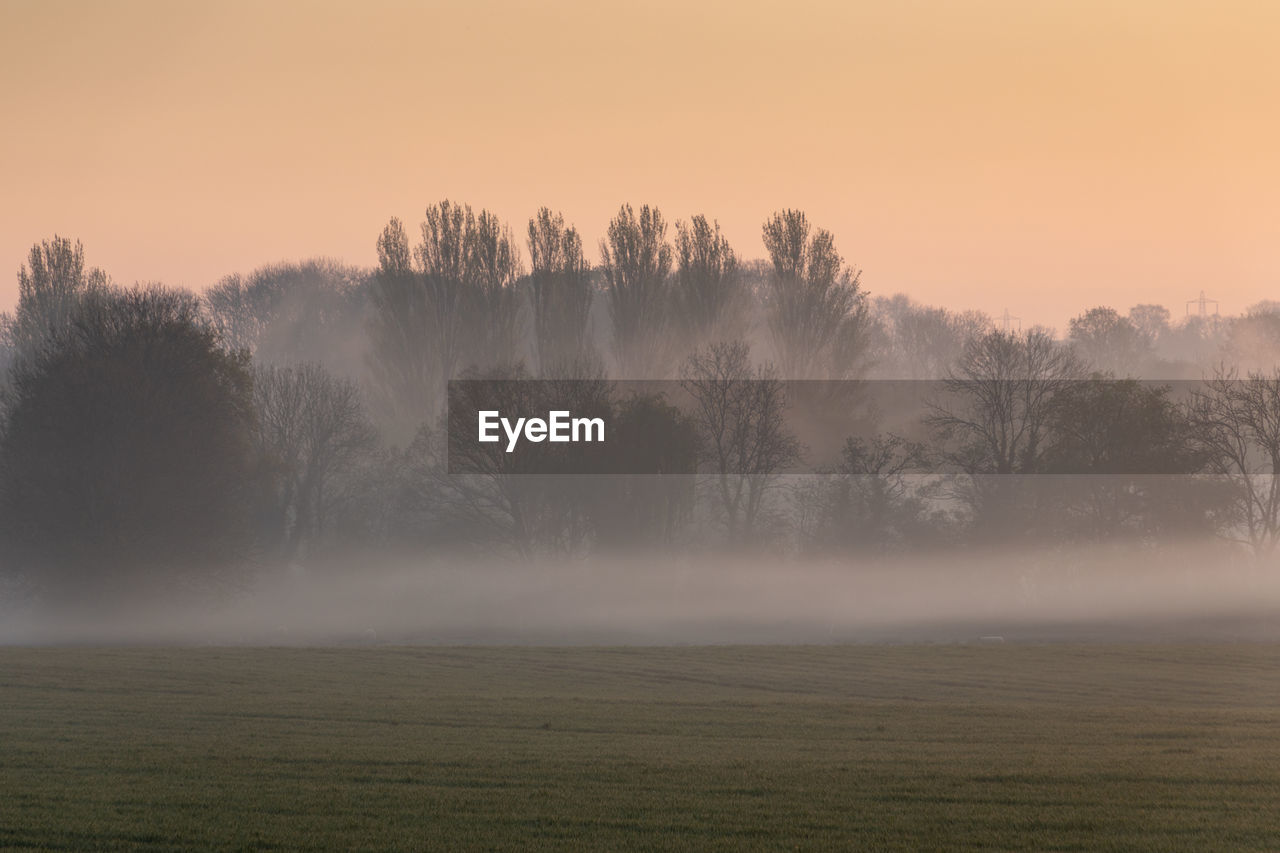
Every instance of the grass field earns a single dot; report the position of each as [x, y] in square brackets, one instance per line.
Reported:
[1002, 747]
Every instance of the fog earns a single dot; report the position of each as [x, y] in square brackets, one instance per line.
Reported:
[1193, 592]
[788, 456]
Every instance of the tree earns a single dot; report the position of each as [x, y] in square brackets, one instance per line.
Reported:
[816, 310]
[994, 417]
[1236, 425]
[923, 342]
[740, 414]
[709, 296]
[492, 320]
[1001, 392]
[650, 507]
[561, 294]
[636, 262]
[294, 312]
[448, 305]
[408, 347]
[127, 465]
[1110, 343]
[1198, 341]
[535, 500]
[7, 355]
[869, 501]
[469, 265]
[1253, 340]
[51, 286]
[313, 430]
[1123, 454]
[1152, 323]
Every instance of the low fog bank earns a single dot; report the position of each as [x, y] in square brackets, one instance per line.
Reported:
[156, 444]
[1189, 593]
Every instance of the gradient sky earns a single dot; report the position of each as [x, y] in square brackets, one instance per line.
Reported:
[1039, 156]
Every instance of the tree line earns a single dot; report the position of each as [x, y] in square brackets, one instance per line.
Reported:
[163, 440]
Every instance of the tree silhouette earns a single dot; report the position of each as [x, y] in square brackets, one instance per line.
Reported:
[291, 312]
[1119, 446]
[870, 501]
[449, 305]
[649, 508]
[709, 296]
[741, 418]
[921, 341]
[1109, 342]
[128, 466]
[408, 345]
[995, 417]
[493, 267]
[313, 430]
[636, 261]
[1236, 424]
[816, 310]
[1152, 323]
[561, 295]
[51, 286]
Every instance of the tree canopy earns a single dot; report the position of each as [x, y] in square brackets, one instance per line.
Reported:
[128, 460]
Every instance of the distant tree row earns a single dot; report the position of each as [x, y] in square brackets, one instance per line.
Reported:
[460, 300]
[157, 439]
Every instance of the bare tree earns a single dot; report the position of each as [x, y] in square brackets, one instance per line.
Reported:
[873, 500]
[1152, 323]
[51, 287]
[561, 295]
[636, 261]
[442, 264]
[528, 502]
[492, 318]
[923, 342]
[292, 312]
[1001, 392]
[1253, 339]
[456, 307]
[407, 350]
[1236, 423]
[1110, 342]
[313, 430]
[995, 419]
[741, 417]
[709, 294]
[1198, 340]
[816, 310]
[238, 310]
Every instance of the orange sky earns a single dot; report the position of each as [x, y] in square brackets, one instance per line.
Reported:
[1043, 156]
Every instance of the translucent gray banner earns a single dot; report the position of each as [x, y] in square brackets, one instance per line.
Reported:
[989, 427]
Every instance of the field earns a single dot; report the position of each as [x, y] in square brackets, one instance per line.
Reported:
[998, 747]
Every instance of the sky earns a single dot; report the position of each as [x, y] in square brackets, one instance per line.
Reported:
[1041, 157]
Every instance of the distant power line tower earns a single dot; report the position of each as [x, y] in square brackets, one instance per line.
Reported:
[1202, 305]
[1007, 321]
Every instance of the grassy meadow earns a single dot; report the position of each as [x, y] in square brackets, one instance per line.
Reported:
[993, 747]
